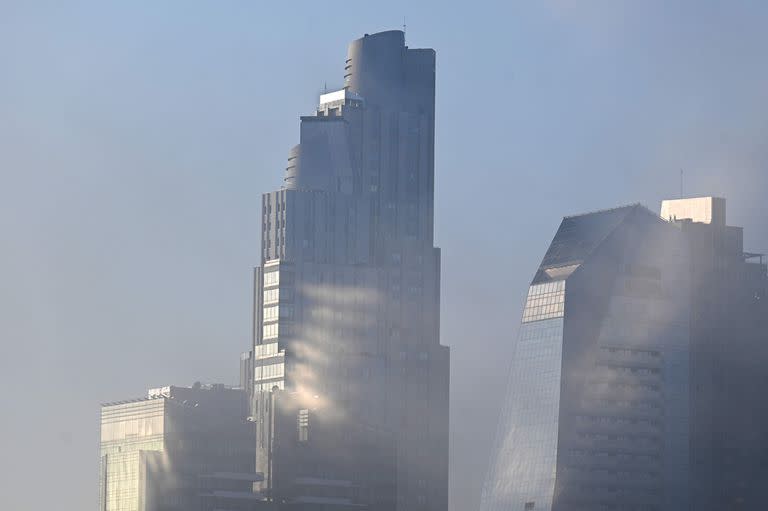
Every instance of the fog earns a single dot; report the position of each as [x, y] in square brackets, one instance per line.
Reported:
[136, 140]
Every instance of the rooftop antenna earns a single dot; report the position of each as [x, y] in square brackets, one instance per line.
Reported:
[325, 87]
[681, 183]
[404, 26]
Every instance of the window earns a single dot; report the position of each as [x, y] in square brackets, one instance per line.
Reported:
[265, 372]
[272, 278]
[545, 301]
[277, 295]
[529, 506]
[270, 331]
[271, 313]
[303, 425]
[271, 295]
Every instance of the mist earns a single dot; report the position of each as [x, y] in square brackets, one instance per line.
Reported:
[136, 140]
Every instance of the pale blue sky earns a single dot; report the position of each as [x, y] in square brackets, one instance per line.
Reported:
[136, 139]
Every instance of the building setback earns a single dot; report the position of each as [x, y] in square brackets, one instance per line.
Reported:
[346, 354]
[633, 378]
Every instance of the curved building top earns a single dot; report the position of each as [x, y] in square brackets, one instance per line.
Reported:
[380, 66]
[383, 80]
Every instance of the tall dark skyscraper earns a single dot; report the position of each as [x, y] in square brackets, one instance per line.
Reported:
[729, 359]
[633, 381]
[346, 353]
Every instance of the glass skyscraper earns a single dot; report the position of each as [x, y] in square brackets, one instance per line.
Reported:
[596, 414]
[634, 381]
[346, 321]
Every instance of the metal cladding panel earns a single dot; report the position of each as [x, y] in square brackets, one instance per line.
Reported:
[376, 67]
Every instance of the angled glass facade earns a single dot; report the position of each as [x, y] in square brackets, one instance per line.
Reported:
[596, 413]
[525, 469]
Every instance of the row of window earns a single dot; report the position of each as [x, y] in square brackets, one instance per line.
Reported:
[266, 351]
[597, 386]
[135, 427]
[649, 354]
[279, 223]
[267, 386]
[270, 331]
[635, 439]
[604, 488]
[545, 301]
[272, 278]
[543, 312]
[279, 204]
[624, 403]
[605, 419]
[278, 294]
[274, 312]
[549, 287]
[269, 371]
[581, 454]
[640, 371]
[619, 474]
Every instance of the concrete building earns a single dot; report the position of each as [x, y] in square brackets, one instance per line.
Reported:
[729, 359]
[158, 452]
[346, 319]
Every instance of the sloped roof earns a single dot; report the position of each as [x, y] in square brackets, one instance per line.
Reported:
[577, 237]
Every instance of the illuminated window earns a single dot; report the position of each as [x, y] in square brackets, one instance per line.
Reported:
[271, 313]
[272, 278]
[270, 331]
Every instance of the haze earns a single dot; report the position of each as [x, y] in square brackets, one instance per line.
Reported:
[136, 140]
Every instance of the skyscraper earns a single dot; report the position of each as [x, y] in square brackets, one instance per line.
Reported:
[729, 359]
[633, 381]
[346, 320]
[596, 415]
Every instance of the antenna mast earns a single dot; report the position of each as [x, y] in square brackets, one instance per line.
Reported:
[681, 183]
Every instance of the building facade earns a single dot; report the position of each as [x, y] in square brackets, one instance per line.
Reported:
[158, 452]
[633, 381]
[346, 320]
[729, 359]
[597, 408]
